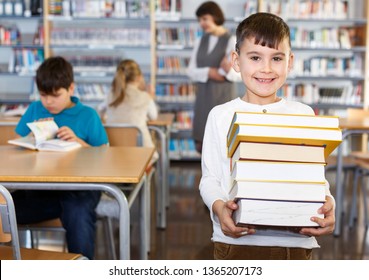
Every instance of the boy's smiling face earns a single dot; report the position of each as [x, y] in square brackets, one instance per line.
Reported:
[58, 101]
[263, 70]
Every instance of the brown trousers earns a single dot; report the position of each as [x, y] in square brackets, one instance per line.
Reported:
[224, 251]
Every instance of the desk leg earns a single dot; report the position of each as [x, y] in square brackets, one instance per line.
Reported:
[167, 198]
[162, 183]
[124, 219]
[144, 203]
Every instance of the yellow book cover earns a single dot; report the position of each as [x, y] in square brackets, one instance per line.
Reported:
[328, 138]
[274, 119]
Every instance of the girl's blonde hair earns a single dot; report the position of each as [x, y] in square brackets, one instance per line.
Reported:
[127, 71]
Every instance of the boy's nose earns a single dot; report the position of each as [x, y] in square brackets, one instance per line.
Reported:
[266, 66]
[48, 100]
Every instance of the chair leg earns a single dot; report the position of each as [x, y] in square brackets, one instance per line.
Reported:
[34, 239]
[353, 211]
[364, 193]
[109, 232]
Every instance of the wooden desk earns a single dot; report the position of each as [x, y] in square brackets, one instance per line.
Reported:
[162, 127]
[94, 168]
[164, 119]
[349, 127]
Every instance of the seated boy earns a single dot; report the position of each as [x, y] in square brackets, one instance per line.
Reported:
[77, 122]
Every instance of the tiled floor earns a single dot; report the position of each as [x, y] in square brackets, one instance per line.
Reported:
[188, 231]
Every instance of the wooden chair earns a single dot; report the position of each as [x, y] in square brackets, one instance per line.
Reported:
[359, 158]
[7, 132]
[122, 135]
[361, 171]
[10, 248]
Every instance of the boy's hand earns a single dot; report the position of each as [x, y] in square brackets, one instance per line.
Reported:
[224, 212]
[326, 224]
[66, 134]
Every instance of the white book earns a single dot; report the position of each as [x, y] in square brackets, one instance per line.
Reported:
[296, 191]
[278, 152]
[276, 213]
[43, 138]
[247, 170]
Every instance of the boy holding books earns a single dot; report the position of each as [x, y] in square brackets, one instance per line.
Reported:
[77, 122]
[263, 57]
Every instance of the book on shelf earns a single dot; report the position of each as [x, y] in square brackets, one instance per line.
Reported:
[285, 120]
[276, 213]
[294, 191]
[248, 170]
[329, 138]
[43, 138]
[278, 152]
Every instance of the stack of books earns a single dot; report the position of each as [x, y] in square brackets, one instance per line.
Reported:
[277, 165]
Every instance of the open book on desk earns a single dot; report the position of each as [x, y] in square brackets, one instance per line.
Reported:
[43, 138]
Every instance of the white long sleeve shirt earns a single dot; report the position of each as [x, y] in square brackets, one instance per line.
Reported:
[215, 182]
[200, 74]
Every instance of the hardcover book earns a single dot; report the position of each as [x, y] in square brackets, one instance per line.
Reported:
[329, 138]
[297, 191]
[43, 138]
[247, 170]
[278, 152]
[276, 213]
[273, 119]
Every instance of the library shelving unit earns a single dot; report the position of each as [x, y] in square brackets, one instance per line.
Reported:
[21, 51]
[329, 40]
[94, 36]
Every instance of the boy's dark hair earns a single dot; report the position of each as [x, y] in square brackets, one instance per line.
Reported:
[53, 74]
[213, 9]
[267, 29]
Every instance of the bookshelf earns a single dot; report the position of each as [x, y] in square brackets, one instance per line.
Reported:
[92, 34]
[21, 51]
[328, 39]
[330, 75]
[330, 44]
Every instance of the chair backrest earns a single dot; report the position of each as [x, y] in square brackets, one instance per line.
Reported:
[123, 134]
[362, 142]
[7, 132]
[8, 222]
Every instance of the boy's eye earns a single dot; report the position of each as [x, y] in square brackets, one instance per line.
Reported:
[277, 58]
[255, 58]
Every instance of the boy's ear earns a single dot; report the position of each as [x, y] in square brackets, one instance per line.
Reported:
[290, 62]
[71, 89]
[235, 61]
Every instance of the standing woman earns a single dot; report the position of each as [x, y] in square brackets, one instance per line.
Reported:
[210, 67]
